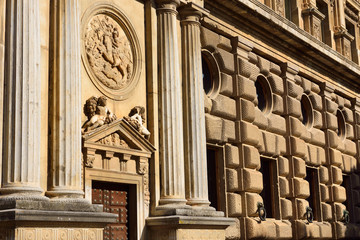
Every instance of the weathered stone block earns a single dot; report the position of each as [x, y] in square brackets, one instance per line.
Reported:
[339, 211]
[306, 85]
[331, 106]
[326, 211]
[260, 120]
[246, 68]
[232, 180]
[278, 104]
[294, 90]
[294, 107]
[207, 104]
[270, 143]
[318, 119]
[301, 205]
[280, 145]
[247, 110]
[277, 84]
[226, 62]
[350, 147]
[325, 230]
[333, 139]
[331, 121]
[348, 114]
[233, 231]
[231, 156]
[315, 87]
[251, 157]
[274, 68]
[316, 101]
[324, 174]
[246, 89]
[318, 137]
[234, 204]
[335, 157]
[283, 166]
[324, 191]
[252, 180]
[350, 133]
[250, 134]
[299, 167]
[297, 128]
[284, 187]
[283, 230]
[219, 109]
[298, 147]
[276, 124]
[229, 130]
[301, 188]
[226, 85]
[337, 175]
[214, 128]
[209, 38]
[339, 193]
[252, 199]
[286, 208]
[264, 65]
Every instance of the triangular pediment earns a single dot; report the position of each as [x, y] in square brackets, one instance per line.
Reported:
[117, 136]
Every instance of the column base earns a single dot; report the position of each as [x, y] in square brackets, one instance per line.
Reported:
[28, 219]
[188, 227]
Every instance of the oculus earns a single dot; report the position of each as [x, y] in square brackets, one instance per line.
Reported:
[341, 124]
[111, 52]
[264, 94]
[211, 74]
[306, 111]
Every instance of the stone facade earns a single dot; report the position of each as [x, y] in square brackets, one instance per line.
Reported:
[176, 119]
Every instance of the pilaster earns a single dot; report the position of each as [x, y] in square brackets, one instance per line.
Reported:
[21, 113]
[65, 105]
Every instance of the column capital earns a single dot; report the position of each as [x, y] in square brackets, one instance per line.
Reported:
[167, 5]
[192, 12]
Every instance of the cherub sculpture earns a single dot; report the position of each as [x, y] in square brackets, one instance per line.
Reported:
[137, 118]
[97, 112]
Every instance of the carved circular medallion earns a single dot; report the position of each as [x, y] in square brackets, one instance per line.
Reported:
[110, 51]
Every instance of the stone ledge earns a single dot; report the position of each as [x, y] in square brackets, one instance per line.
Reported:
[189, 221]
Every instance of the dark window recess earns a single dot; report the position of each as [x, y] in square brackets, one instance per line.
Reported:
[347, 185]
[313, 199]
[267, 193]
[304, 112]
[288, 9]
[341, 124]
[325, 29]
[212, 176]
[207, 76]
[351, 30]
[260, 92]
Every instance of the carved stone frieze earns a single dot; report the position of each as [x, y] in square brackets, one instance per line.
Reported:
[115, 140]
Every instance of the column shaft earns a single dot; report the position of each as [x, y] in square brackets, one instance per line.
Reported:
[65, 105]
[170, 111]
[194, 114]
[21, 115]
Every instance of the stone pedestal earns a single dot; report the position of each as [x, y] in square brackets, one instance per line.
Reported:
[187, 227]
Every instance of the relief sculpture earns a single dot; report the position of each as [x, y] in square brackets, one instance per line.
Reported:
[108, 52]
[137, 118]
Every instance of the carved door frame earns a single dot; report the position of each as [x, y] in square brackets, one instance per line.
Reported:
[122, 178]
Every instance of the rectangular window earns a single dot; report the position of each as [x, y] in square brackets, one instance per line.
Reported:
[351, 30]
[270, 191]
[347, 185]
[325, 28]
[312, 177]
[215, 176]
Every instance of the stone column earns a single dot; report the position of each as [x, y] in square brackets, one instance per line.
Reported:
[170, 107]
[193, 105]
[21, 114]
[65, 105]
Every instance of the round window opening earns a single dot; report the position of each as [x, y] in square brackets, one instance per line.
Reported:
[263, 93]
[211, 74]
[341, 124]
[306, 111]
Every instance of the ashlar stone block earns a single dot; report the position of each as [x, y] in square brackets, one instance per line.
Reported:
[286, 208]
[246, 89]
[297, 128]
[324, 174]
[234, 204]
[301, 205]
[247, 110]
[324, 191]
[214, 128]
[229, 130]
[260, 120]
[333, 139]
[339, 193]
[306, 85]
[278, 104]
[252, 180]
[335, 157]
[280, 145]
[339, 211]
[298, 147]
[226, 85]
[276, 124]
[318, 119]
[350, 147]
[232, 180]
[251, 157]
[283, 164]
[331, 106]
[299, 167]
[250, 133]
[348, 114]
[274, 68]
[284, 187]
[227, 61]
[337, 175]
[301, 188]
[246, 68]
[326, 211]
[233, 231]
[294, 90]
[283, 230]
[277, 84]
[270, 143]
[349, 131]
[264, 65]
[294, 107]
[252, 199]
[331, 120]
[231, 156]
[316, 101]
[318, 137]
[218, 108]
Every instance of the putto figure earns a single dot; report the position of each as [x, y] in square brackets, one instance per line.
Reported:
[137, 118]
[97, 112]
